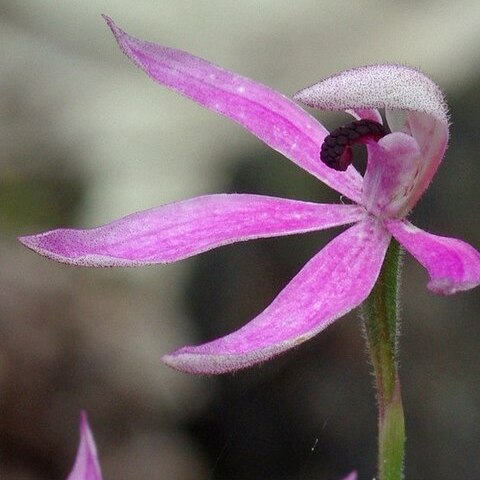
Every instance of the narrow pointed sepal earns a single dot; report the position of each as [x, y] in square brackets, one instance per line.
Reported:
[331, 284]
[182, 229]
[269, 115]
[452, 264]
[86, 465]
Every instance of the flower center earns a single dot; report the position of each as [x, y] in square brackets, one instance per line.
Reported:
[336, 149]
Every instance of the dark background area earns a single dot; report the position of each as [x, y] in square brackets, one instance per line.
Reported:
[87, 138]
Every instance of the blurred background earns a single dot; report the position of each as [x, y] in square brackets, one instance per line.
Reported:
[86, 138]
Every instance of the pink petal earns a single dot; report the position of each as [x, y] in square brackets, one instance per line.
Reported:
[331, 284]
[392, 171]
[352, 476]
[269, 115]
[453, 265]
[179, 230]
[86, 465]
[392, 87]
[431, 135]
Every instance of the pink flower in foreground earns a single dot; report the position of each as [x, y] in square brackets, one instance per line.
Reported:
[86, 465]
[401, 164]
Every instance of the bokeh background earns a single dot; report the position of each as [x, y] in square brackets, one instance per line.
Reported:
[86, 137]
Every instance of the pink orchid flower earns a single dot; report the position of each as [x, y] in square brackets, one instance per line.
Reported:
[402, 160]
[86, 465]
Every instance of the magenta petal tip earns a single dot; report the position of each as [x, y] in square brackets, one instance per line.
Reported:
[86, 465]
[113, 26]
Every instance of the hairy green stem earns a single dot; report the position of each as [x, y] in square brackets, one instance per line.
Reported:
[380, 312]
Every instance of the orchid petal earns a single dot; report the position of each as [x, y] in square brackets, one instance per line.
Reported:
[351, 476]
[392, 87]
[331, 284]
[86, 465]
[179, 230]
[392, 171]
[431, 135]
[270, 116]
[452, 264]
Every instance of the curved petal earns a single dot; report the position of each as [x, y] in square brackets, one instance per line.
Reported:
[392, 172]
[270, 116]
[431, 135]
[86, 465]
[392, 87]
[179, 230]
[331, 284]
[351, 476]
[452, 264]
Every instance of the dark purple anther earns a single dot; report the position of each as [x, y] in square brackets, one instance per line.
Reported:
[336, 149]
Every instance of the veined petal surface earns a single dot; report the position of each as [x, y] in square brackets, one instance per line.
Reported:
[269, 115]
[452, 264]
[391, 175]
[179, 230]
[331, 284]
[431, 135]
[86, 465]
